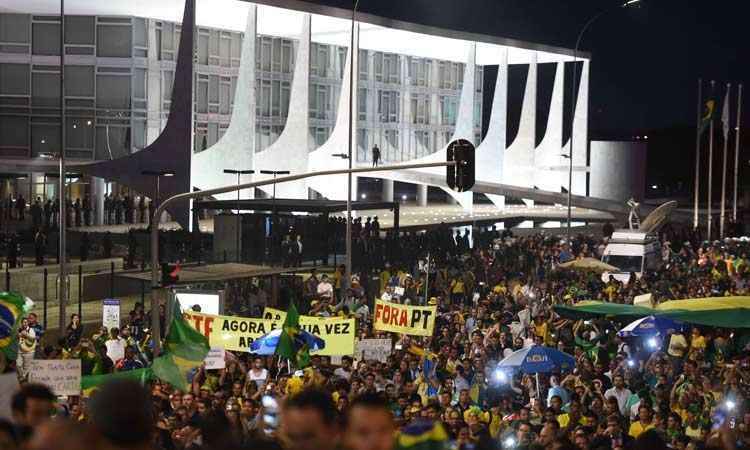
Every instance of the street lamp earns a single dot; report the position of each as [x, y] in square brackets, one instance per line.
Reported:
[157, 174]
[594, 18]
[273, 213]
[238, 173]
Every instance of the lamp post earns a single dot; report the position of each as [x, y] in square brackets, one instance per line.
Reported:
[348, 238]
[238, 173]
[594, 18]
[273, 213]
[157, 174]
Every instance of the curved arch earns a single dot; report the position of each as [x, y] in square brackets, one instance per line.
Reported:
[290, 151]
[236, 146]
[171, 151]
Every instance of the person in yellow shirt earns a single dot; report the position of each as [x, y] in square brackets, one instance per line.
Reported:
[385, 275]
[457, 290]
[644, 422]
[697, 342]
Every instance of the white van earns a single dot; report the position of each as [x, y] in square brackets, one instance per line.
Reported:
[631, 251]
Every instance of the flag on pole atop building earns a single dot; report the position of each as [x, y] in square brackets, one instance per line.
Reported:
[725, 115]
[709, 110]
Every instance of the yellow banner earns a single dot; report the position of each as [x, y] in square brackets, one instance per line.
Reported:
[405, 319]
[237, 333]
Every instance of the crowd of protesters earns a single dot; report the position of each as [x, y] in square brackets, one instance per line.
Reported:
[495, 294]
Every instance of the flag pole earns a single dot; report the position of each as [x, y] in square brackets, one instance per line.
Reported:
[710, 168]
[737, 150]
[725, 128]
[696, 188]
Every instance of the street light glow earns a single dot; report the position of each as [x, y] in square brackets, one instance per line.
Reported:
[630, 3]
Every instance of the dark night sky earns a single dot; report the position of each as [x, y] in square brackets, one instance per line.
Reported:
[645, 61]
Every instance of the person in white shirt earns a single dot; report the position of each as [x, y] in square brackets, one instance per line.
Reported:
[115, 345]
[258, 373]
[345, 371]
[325, 288]
[619, 392]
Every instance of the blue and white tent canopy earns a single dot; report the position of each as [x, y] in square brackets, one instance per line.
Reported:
[649, 326]
[266, 344]
[538, 359]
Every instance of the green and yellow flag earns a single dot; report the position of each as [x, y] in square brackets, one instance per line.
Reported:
[291, 344]
[709, 112]
[184, 350]
[12, 310]
[90, 383]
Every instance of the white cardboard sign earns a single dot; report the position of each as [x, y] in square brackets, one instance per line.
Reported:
[63, 376]
[373, 349]
[215, 359]
[111, 313]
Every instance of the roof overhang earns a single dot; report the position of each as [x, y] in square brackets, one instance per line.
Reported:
[330, 25]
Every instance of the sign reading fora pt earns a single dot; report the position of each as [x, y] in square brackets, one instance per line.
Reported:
[461, 176]
[405, 319]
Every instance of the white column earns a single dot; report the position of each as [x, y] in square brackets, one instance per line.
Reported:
[421, 195]
[387, 195]
[97, 189]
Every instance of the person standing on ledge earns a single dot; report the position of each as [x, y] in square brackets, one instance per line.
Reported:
[375, 156]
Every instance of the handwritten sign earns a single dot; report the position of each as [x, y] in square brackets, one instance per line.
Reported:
[215, 359]
[63, 376]
[374, 349]
[111, 313]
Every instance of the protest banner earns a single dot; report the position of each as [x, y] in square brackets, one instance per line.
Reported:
[110, 313]
[215, 359]
[63, 376]
[405, 319]
[374, 349]
[237, 333]
[230, 332]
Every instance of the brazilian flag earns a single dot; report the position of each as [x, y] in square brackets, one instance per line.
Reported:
[91, 383]
[422, 434]
[12, 309]
[292, 343]
[184, 349]
[709, 112]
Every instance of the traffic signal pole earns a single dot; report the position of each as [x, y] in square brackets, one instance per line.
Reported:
[155, 328]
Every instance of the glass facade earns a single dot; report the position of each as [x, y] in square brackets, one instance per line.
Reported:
[119, 74]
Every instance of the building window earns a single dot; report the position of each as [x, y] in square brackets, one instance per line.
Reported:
[320, 101]
[364, 65]
[419, 71]
[362, 104]
[203, 47]
[140, 84]
[224, 88]
[225, 50]
[391, 137]
[448, 106]
[14, 79]
[420, 109]
[287, 56]
[319, 60]
[388, 106]
[201, 94]
[14, 28]
[387, 68]
[45, 89]
[200, 142]
[46, 37]
[115, 41]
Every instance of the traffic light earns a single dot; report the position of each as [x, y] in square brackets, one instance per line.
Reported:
[169, 274]
[461, 176]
